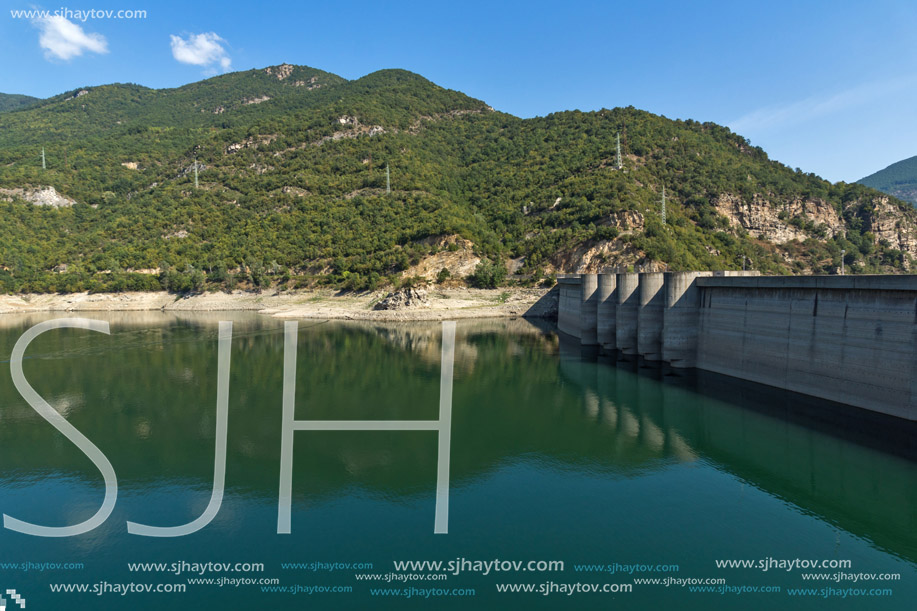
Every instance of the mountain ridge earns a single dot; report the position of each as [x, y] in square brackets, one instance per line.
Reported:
[15, 101]
[898, 180]
[292, 190]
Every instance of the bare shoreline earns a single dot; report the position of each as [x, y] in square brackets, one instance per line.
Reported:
[451, 303]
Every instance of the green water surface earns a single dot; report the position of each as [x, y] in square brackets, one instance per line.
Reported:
[555, 455]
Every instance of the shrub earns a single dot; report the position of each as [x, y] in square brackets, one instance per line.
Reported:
[488, 275]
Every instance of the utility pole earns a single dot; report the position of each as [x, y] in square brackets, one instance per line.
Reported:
[743, 262]
[663, 204]
[43, 165]
[388, 180]
[195, 173]
[843, 252]
[620, 165]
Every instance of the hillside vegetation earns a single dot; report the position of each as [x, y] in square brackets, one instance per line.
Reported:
[899, 180]
[13, 101]
[291, 165]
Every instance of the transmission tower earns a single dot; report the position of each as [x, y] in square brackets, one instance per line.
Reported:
[43, 166]
[195, 173]
[663, 204]
[620, 165]
[388, 180]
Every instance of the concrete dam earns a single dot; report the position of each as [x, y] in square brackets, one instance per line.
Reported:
[848, 339]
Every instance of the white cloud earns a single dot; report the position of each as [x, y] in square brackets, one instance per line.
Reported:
[63, 39]
[201, 50]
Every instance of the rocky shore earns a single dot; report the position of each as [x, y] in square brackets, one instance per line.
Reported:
[429, 304]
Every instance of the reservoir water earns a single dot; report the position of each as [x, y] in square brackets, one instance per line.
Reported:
[622, 472]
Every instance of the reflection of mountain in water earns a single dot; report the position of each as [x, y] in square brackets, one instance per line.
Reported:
[146, 396]
[422, 338]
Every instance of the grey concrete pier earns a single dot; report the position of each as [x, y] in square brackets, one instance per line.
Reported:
[589, 310]
[627, 304]
[605, 313]
[569, 304]
[681, 321]
[849, 339]
[649, 316]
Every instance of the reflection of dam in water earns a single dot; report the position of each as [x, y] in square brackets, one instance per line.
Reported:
[146, 395]
[553, 456]
[834, 471]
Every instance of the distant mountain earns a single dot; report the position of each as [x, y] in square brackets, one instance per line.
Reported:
[292, 170]
[12, 101]
[898, 179]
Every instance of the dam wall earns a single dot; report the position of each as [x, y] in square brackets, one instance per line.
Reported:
[650, 306]
[569, 305]
[606, 306]
[627, 305]
[848, 339]
[681, 328]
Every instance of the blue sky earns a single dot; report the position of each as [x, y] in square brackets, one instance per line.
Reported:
[829, 87]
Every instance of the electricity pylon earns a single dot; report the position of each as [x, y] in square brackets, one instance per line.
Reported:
[620, 165]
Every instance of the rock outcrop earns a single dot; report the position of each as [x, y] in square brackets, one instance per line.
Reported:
[887, 224]
[628, 221]
[251, 142]
[598, 257]
[771, 221]
[404, 299]
[281, 72]
[454, 254]
[40, 196]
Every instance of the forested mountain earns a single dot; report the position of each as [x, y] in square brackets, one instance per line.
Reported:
[899, 179]
[12, 101]
[292, 177]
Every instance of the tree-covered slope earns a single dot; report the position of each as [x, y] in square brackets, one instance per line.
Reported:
[291, 169]
[13, 101]
[899, 179]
